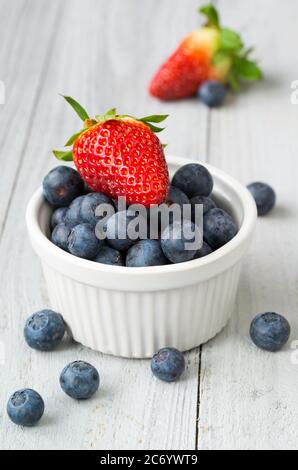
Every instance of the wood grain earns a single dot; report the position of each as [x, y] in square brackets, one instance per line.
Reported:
[92, 54]
[248, 397]
[103, 53]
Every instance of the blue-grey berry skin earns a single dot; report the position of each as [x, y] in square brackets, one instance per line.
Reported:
[168, 364]
[174, 240]
[270, 331]
[82, 242]
[116, 229]
[44, 330]
[219, 228]
[176, 196]
[58, 216]
[79, 380]
[60, 236]
[108, 255]
[62, 185]
[145, 253]
[25, 407]
[194, 180]
[212, 93]
[205, 250]
[90, 203]
[73, 214]
[206, 202]
[264, 196]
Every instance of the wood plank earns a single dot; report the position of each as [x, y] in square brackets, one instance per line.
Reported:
[248, 397]
[103, 56]
[26, 36]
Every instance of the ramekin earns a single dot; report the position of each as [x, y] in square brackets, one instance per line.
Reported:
[132, 312]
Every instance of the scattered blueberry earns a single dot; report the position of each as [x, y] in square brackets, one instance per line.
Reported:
[73, 214]
[61, 185]
[175, 238]
[219, 228]
[194, 180]
[205, 201]
[90, 203]
[270, 331]
[25, 407]
[82, 242]
[145, 253]
[79, 380]
[212, 93]
[117, 228]
[264, 196]
[60, 236]
[58, 216]
[44, 330]
[108, 255]
[204, 251]
[168, 364]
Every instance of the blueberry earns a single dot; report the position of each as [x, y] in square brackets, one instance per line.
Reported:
[212, 93]
[58, 216]
[264, 196]
[82, 241]
[108, 255]
[116, 230]
[61, 185]
[60, 236]
[176, 196]
[145, 253]
[174, 239]
[44, 330]
[168, 364]
[270, 331]
[73, 214]
[206, 202]
[25, 407]
[90, 203]
[204, 251]
[219, 228]
[79, 380]
[194, 180]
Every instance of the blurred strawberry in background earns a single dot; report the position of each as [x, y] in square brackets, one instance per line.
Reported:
[209, 53]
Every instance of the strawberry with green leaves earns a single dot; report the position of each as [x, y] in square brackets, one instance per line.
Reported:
[209, 53]
[120, 155]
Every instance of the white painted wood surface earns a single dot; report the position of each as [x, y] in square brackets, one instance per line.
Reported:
[103, 53]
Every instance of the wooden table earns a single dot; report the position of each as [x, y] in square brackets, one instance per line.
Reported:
[232, 396]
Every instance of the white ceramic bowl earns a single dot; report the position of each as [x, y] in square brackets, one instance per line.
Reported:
[132, 312]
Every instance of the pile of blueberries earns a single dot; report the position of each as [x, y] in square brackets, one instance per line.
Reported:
[73, 224]
[45, 330]
[74, 219]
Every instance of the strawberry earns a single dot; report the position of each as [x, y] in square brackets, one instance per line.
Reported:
[120, 155]
[210, 53]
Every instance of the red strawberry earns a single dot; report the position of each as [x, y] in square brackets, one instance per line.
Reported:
[211, 52]
[120, 156]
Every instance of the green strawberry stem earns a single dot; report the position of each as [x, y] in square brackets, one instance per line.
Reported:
[111, 114]
[232, 48]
